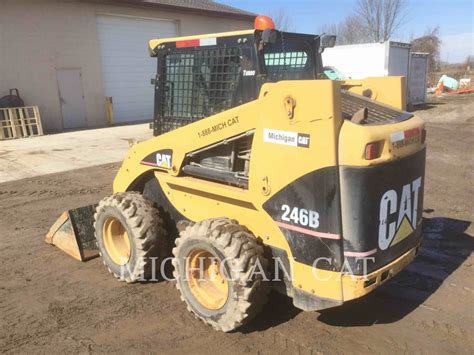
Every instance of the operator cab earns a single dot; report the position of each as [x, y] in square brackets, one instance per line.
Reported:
[200, 76]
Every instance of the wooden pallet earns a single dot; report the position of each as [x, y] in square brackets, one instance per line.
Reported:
[20, 122]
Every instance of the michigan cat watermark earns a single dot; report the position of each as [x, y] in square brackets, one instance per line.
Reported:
[209, 268]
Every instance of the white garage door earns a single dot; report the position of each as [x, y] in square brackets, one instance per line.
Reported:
[126, 65]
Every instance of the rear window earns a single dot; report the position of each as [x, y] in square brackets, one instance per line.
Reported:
[286, 66]
[288, 59]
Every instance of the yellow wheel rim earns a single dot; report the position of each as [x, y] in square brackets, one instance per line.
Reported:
[116, 241]
[206, 281]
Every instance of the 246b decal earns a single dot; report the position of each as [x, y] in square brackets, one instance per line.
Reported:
[398, 214]
[300, 216]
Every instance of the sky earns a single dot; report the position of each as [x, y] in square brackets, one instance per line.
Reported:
[455, 19]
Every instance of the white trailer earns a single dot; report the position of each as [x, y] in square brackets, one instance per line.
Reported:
[359, 61]
[417, 78]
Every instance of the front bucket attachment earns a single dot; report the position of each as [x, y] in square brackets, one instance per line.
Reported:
[73, 233]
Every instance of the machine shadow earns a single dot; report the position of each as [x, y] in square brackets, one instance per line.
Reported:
[424, 107]
[445, 247]
[279, 309]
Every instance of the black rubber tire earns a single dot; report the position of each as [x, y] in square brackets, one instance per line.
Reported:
[248, 291]
[144, 227]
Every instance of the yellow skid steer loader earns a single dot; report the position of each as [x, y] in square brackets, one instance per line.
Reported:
[262, 173]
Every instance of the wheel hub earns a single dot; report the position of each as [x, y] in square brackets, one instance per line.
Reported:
[208, 284]
[116, 241]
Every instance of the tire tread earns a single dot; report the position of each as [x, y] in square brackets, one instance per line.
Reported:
[242, 247]
[146, 227]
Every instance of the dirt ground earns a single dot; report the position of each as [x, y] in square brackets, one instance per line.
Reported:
[50, 303]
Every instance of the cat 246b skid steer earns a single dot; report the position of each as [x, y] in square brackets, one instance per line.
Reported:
[262, 173]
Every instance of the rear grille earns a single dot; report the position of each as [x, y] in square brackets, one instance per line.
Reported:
[378, 113]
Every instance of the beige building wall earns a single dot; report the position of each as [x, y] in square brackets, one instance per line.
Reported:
[39, 36]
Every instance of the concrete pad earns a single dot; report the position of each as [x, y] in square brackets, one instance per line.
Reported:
[35, 156]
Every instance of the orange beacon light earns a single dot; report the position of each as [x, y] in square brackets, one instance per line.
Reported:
[263, 23]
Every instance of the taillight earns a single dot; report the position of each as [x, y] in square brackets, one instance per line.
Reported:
[423, 135]
[373, 150]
